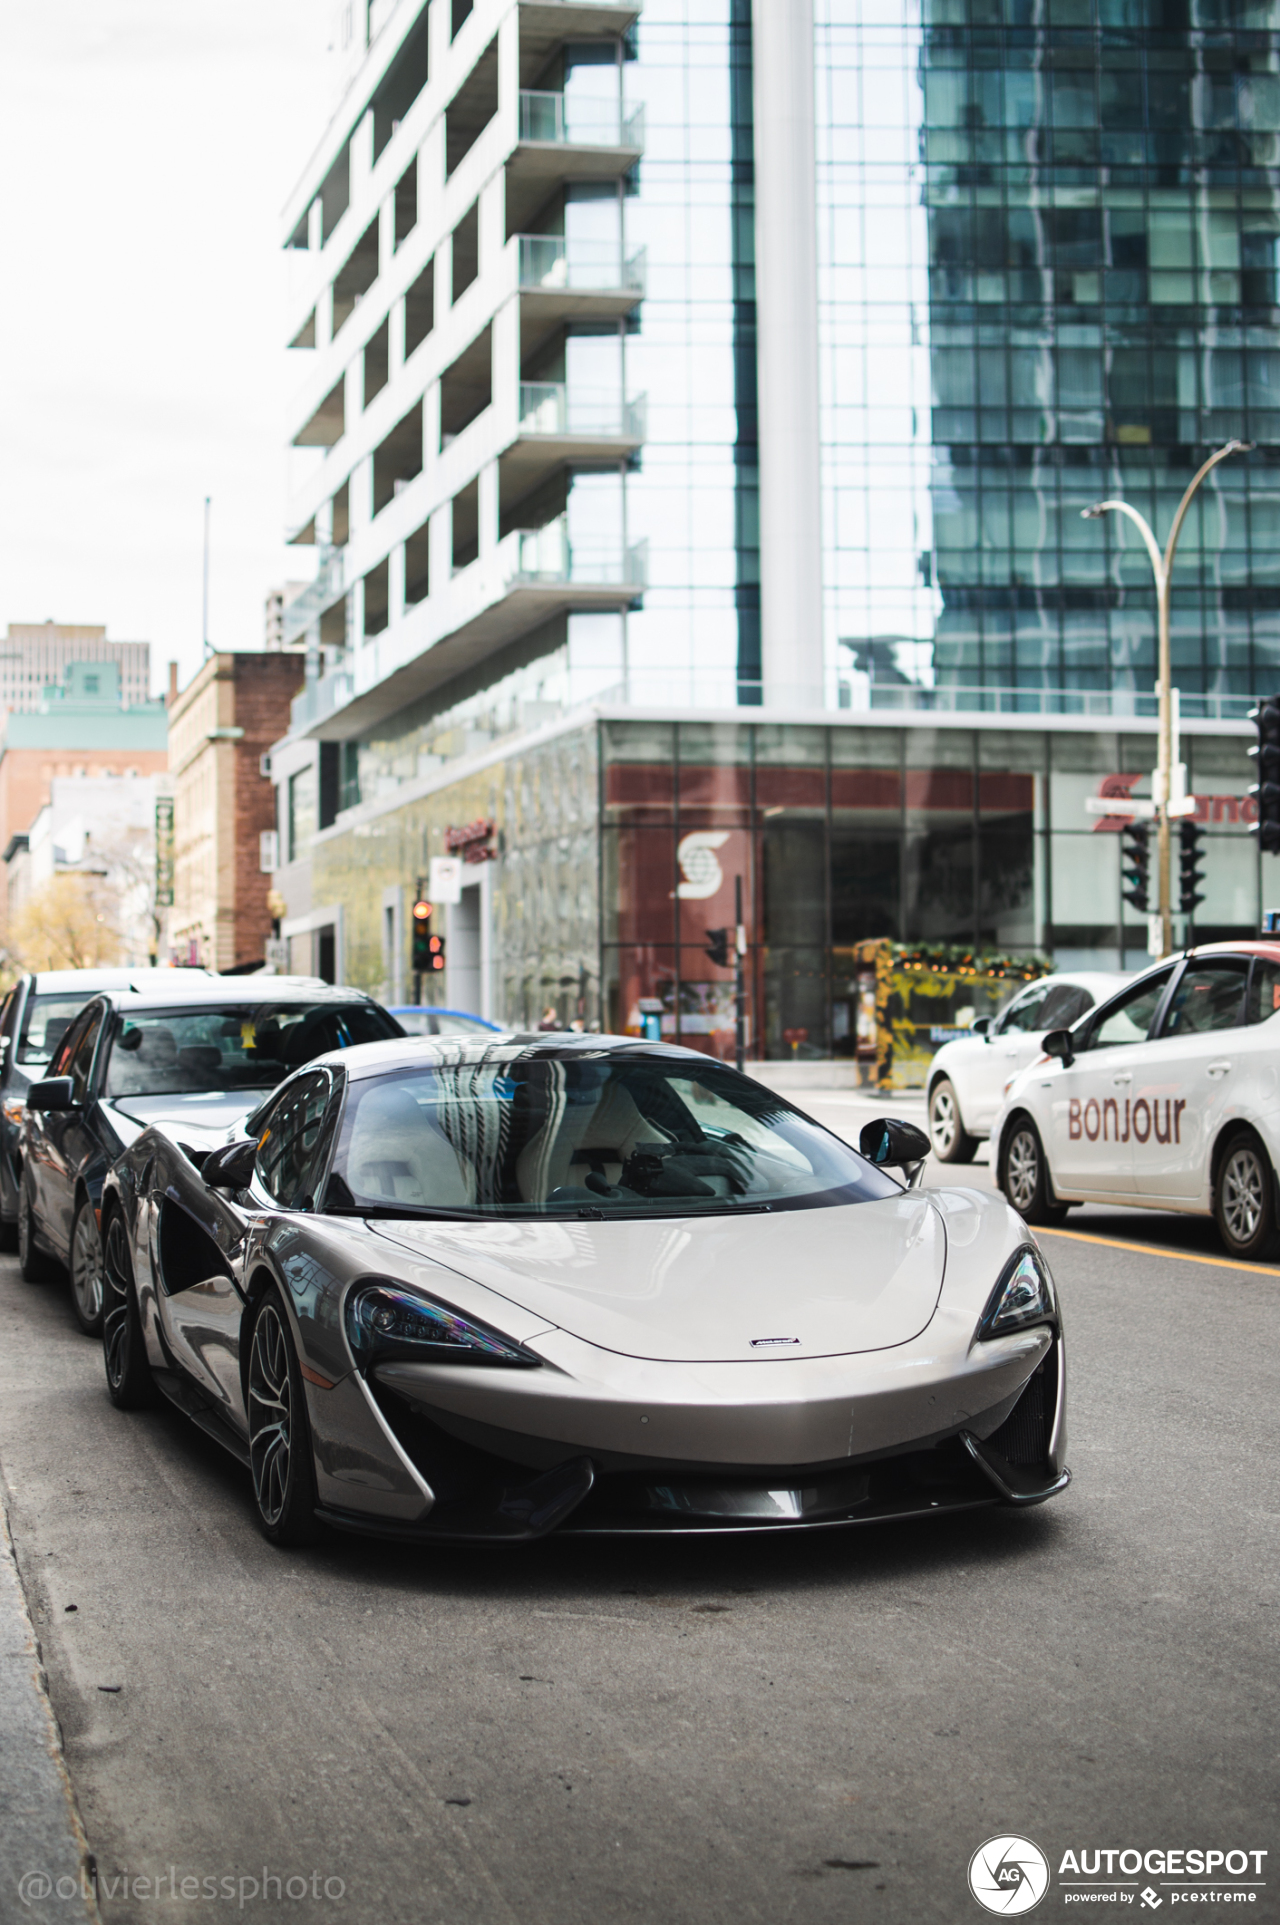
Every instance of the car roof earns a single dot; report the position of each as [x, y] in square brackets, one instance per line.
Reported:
[217, 991]
[420, 1052]
[45, 982]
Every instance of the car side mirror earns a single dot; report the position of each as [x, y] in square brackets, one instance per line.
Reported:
[52, 1093]
[1058, 1043]
[231, 1167]
[893, 1144]
[981, 1027]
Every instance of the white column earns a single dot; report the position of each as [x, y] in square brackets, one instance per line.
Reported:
[787, 352]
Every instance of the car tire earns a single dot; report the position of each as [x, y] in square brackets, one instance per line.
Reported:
[85, 1267]
[130, 1384]
[1024, 1175]
[951, 1141]
[284, 1477]
[1244, 1198]
[33, 1265]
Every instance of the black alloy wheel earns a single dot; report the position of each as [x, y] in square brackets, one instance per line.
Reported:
[130, 1384]
[284, 1478]
[86, 1270]
[1244, 1199]
[34, 1265]
[951, 1141]
[1024, 1175]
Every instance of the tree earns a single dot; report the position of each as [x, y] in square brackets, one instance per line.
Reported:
[68, 923]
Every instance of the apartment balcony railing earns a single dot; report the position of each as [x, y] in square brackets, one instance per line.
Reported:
[321, 698]
[305, 610]
[554, 408]
[552, 119]
[546, 556]
[550, 262]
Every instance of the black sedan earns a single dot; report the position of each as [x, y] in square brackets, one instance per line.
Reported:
[191, 1059]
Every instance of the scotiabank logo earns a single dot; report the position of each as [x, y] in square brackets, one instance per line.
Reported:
[1103, 1121]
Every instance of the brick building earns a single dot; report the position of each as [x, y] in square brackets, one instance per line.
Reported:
[220, 727]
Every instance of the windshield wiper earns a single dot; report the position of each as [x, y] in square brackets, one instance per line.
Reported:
[400, 1210]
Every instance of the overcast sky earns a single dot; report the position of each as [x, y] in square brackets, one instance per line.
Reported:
[146, 149]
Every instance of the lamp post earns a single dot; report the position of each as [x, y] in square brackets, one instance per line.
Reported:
[1162, 569]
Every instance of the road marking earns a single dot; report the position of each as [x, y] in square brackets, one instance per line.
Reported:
[1154, 1250]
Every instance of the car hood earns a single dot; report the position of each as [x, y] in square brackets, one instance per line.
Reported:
[203, 1120]
[862, 1276]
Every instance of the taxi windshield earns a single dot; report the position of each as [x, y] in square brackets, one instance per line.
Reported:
[166, 1052]
[541, 1134]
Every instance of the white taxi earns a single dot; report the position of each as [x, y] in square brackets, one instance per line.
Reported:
[1167, 1095]
[968, 1075]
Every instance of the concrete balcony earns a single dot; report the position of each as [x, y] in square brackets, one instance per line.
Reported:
[563, 139]
[559, 425]
[305, 610]
[561, 281]
[526, 579]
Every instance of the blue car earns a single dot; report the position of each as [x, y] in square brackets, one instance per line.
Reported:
[420, 1020]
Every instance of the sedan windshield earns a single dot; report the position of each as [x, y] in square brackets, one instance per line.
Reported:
[254, 1046]
[536, 1134]
[46, 1021]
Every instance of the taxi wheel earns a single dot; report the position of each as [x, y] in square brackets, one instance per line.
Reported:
[1024, 1175]
[1244, 1198]
[951, 1141]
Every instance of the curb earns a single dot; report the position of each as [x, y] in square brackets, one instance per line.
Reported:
[47, 1871]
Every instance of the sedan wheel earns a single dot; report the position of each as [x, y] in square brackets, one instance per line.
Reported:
[86, 1270]
[951, 1141]
[1244, 1199]
[130, 1384]
[284, 1481]
[1025, 1177]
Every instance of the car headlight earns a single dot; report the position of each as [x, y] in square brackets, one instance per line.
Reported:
[386, 1320]
[15, 1108]
[1023, 1295]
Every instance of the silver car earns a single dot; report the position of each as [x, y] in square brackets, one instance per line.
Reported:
[488, 1288]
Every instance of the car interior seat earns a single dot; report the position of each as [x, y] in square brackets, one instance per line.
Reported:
[398, 1151]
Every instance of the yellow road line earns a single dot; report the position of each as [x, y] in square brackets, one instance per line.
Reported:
[1154, 1250]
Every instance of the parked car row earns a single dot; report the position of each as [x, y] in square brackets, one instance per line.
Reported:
[432, 1286]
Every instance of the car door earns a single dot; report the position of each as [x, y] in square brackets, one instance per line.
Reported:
[61, 1140]
[1091, 1102]
[200, 1237]
[1190, 1078]
[988, 1066]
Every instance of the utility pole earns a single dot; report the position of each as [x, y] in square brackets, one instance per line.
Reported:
[204, 621]
[1164, 802]
[739, 977]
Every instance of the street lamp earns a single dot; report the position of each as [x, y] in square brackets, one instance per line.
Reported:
[1162, 569]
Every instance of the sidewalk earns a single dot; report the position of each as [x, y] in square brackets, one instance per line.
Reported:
[45, 1864]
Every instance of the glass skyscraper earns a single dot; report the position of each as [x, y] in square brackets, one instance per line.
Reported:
[1049, 233]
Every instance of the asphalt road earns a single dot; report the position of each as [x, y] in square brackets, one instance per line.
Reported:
[821, 1728]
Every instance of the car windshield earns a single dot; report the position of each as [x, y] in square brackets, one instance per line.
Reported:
[249, 1046]
[46, 1021]
[535, 1133]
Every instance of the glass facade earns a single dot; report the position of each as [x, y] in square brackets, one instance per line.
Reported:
[618, 847]
[1048, 240]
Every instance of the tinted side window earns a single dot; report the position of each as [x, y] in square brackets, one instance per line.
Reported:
[79, 1063]
[293, 1142]
[1128, 1019]
[1024, 1012]
[1209, 996]
[1065, 1004]
[1264, 991]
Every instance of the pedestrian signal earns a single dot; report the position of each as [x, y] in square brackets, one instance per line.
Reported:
[1266, 753]
[1134, 864]
[1191, 859]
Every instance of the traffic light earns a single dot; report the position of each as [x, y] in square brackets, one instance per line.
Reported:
[1134, 860]
[422, 937]
[718, 946]
[1266, 753]
[1191, 836]
[435, 952]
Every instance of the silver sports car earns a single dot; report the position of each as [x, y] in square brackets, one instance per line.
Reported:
[486, 1288]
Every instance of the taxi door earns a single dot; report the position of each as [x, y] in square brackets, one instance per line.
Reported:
[1193, 1076]
[1090, 1147]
